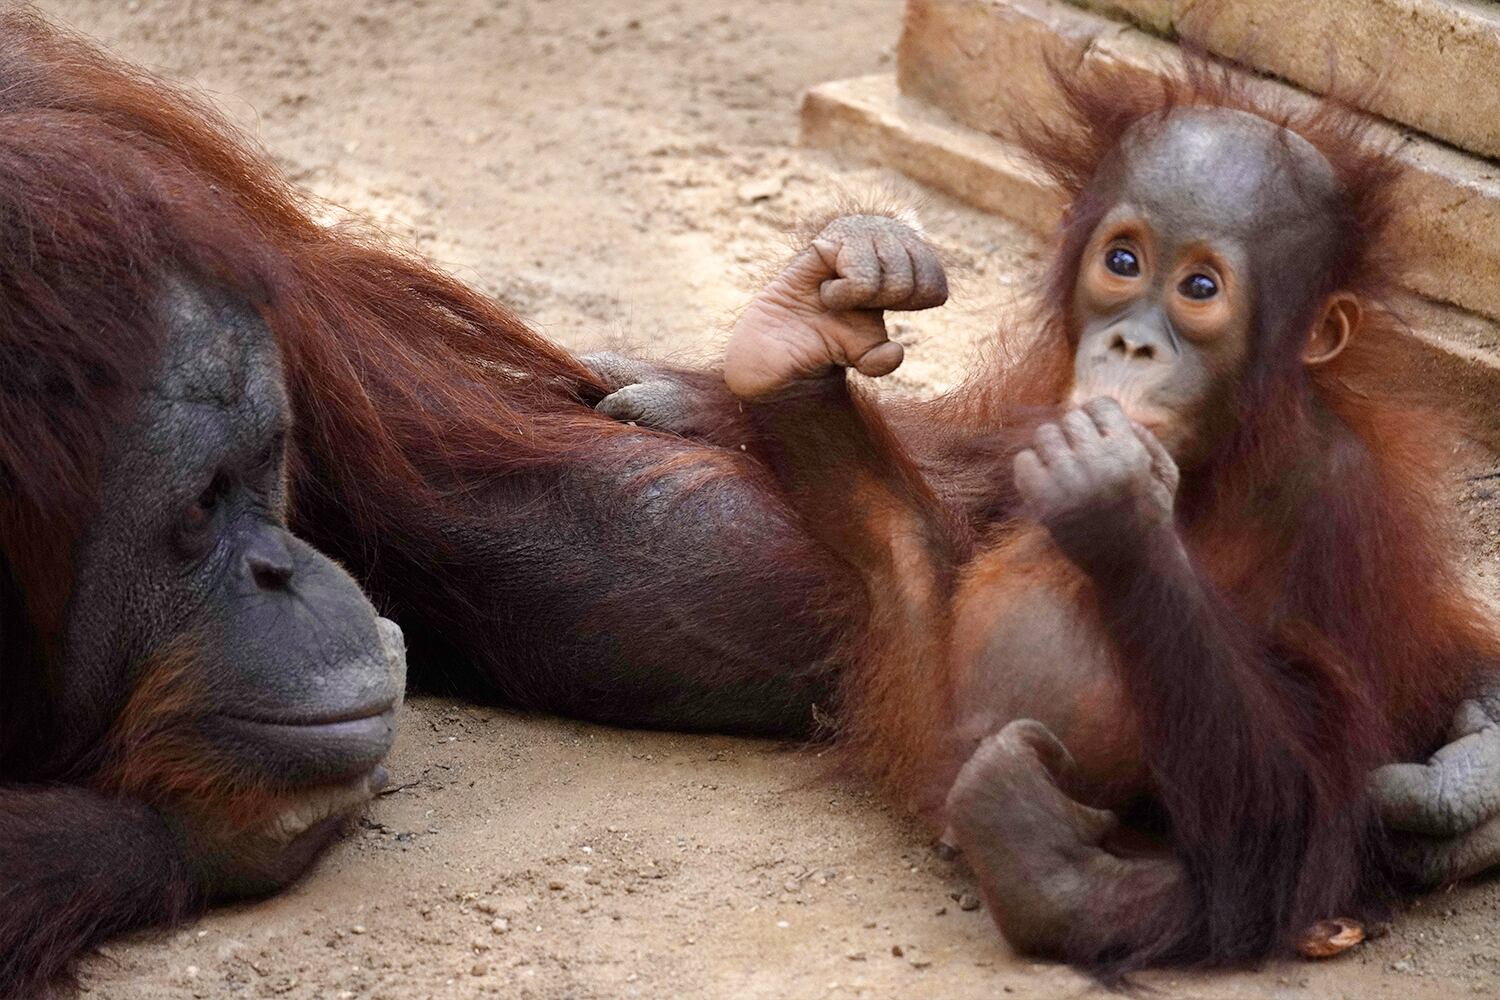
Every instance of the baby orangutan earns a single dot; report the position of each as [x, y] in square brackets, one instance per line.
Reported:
[1210, 592]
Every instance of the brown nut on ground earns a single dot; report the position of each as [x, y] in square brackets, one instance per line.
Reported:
[1328, 938]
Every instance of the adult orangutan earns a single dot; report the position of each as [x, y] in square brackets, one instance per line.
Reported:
[1214, 587]
[193, 698]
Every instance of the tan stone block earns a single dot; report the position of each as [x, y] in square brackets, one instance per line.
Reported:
[1456, 357]
[866, 117]
[985, 61]
[1430, 64]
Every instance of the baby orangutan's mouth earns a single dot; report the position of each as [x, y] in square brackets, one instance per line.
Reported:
[1150, 417]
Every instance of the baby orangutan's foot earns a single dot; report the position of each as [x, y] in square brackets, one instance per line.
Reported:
[824, 311]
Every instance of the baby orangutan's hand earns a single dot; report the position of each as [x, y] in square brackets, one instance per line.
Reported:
[824, 312]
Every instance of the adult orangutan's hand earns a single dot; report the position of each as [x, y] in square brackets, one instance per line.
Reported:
[689, 404]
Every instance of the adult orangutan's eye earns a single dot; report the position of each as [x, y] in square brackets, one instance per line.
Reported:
[1198, 287]
[1122, 262]
[270, 458]
[201, 511]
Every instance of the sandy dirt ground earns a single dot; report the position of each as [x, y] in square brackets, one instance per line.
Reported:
[616, 171]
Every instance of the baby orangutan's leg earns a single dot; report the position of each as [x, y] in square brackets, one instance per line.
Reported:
[842, 467]
[850, 479]
[1049, 883]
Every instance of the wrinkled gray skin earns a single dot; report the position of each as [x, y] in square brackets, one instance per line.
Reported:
[649, 396]
[303, 680]
[1446, 812]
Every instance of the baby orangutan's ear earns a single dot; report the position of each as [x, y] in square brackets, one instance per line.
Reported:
[1338, 325]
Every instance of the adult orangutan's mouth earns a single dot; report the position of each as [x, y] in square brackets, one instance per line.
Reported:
[310, 750]
[357, 713]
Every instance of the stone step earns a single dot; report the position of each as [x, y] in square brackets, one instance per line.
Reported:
[867, 118]
[983, 61]
[1430, 64]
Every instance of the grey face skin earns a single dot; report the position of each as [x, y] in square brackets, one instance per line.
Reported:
[1211, 208]
[298, 680]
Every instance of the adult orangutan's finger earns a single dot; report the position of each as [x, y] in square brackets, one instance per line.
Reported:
[616, 370]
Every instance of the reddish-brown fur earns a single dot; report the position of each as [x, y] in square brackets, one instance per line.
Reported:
[1378, 580]
[431, 427]
[409, 391]
[412, 393]
[113, 867]
[404, 381]
[153, 753]
[1331, 551]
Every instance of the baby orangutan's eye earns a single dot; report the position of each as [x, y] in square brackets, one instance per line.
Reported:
[1198, 287]
[1122, 262]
